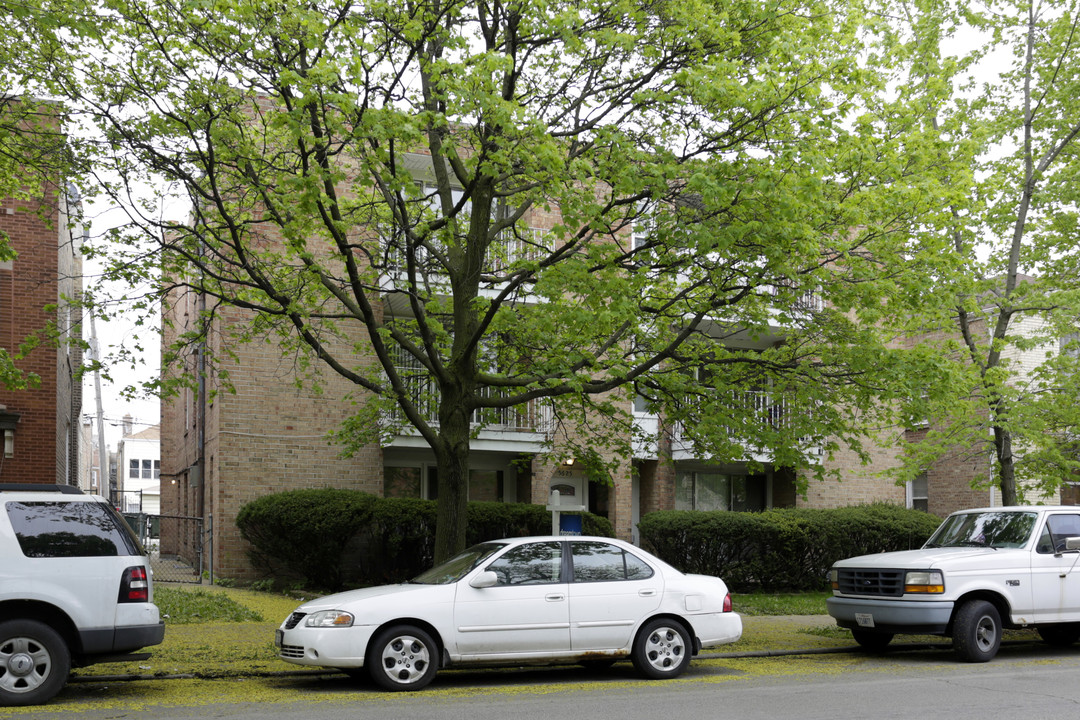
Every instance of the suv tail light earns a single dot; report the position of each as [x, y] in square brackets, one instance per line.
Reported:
[727, 603]
[134, 586]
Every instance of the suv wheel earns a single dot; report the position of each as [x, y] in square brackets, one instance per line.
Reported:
[34, 662]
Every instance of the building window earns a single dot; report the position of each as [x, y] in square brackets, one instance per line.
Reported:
[147, 470]
[402, 482]
[157, 469]
[9, 443]
[717, 491]
[920, 493]
[485, 486]
[133, 469]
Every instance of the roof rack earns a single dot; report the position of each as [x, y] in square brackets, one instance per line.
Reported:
[42, 487]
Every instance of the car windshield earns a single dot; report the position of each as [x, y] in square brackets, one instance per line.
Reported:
[453, 569]
[984, 529]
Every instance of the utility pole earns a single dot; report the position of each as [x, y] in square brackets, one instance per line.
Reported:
[103, 453]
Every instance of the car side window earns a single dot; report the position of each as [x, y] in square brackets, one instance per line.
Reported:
[69, 529]
[1058, 529]
[602, 562]
[532, 564]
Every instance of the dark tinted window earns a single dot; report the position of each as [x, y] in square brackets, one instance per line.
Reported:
[70, 529]
[532, 564]
[601, 562]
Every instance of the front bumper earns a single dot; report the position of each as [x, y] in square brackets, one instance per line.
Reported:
[325, 647]
[922, 617]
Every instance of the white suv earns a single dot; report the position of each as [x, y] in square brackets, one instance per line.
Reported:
[75, 589]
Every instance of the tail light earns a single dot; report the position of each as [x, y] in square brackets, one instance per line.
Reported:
[135, 585]
[727, 603]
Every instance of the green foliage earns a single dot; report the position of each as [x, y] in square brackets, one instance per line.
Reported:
[773, 603]
[305, 531]
[332, 538]
[780, 549]
[181, 607]
[755, 147]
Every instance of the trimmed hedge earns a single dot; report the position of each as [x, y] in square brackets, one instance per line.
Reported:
[332, 538]
[780, 549]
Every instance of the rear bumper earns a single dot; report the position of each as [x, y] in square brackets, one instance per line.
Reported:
[102, 641]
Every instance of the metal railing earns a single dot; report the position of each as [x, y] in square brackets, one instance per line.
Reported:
[532, 417]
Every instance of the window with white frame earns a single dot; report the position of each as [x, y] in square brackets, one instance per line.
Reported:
[920, 493]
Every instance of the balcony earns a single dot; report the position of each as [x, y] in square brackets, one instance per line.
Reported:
[771, 410]
[522, 428]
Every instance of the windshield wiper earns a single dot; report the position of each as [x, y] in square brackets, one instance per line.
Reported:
[976, 543]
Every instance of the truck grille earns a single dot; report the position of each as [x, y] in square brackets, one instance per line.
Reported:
[886, 583]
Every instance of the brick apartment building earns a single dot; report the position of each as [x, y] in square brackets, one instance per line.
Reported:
[963, 476]
[222, 449]
[41, 424]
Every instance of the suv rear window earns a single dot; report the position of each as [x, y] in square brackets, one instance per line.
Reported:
[70, 529]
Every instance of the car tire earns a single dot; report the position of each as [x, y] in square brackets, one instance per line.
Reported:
[402, 658]
[662, 649]
[871, 641]
[977, 631]
[1060, 634]
[34, 662]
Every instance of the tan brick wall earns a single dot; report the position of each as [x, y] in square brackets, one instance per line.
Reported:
[858, 483]
[265, 437]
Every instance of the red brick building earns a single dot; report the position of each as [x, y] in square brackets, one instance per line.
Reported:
[40, 424]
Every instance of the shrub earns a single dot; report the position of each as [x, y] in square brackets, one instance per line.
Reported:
[304, 533]
[781, 549]
[331, 538]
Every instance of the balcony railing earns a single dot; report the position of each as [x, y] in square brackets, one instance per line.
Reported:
[807, 301]
[512, 245]
[532, 417]
[771, 411]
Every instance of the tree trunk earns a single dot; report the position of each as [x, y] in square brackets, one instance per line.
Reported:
[452, 455]
[1006, 466]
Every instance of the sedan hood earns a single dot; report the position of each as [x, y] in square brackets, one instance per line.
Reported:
[342, 601]
[943, 557]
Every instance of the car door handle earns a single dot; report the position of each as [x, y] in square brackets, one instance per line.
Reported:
[554, 597]
[646, 593]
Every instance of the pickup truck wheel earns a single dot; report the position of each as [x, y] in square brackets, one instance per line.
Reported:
[1060, 635]
[977, 631]
[872, 641]
[34, 662]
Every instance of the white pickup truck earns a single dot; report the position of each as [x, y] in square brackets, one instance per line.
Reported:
[980, 572]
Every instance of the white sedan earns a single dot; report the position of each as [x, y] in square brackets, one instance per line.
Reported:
[587, 600]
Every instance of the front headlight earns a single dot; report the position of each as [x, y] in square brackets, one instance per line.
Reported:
[924, 581]
[329, 618]
[834, 578]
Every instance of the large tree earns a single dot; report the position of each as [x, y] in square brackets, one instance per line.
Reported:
[362, 174]
[1009, 112]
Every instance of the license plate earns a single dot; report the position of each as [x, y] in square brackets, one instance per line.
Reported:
[863, 619]
[278, 635]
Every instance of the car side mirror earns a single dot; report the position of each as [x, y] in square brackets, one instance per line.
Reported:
[488, 578]
[1072, 543]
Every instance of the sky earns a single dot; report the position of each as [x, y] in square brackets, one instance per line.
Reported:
[119, 332]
